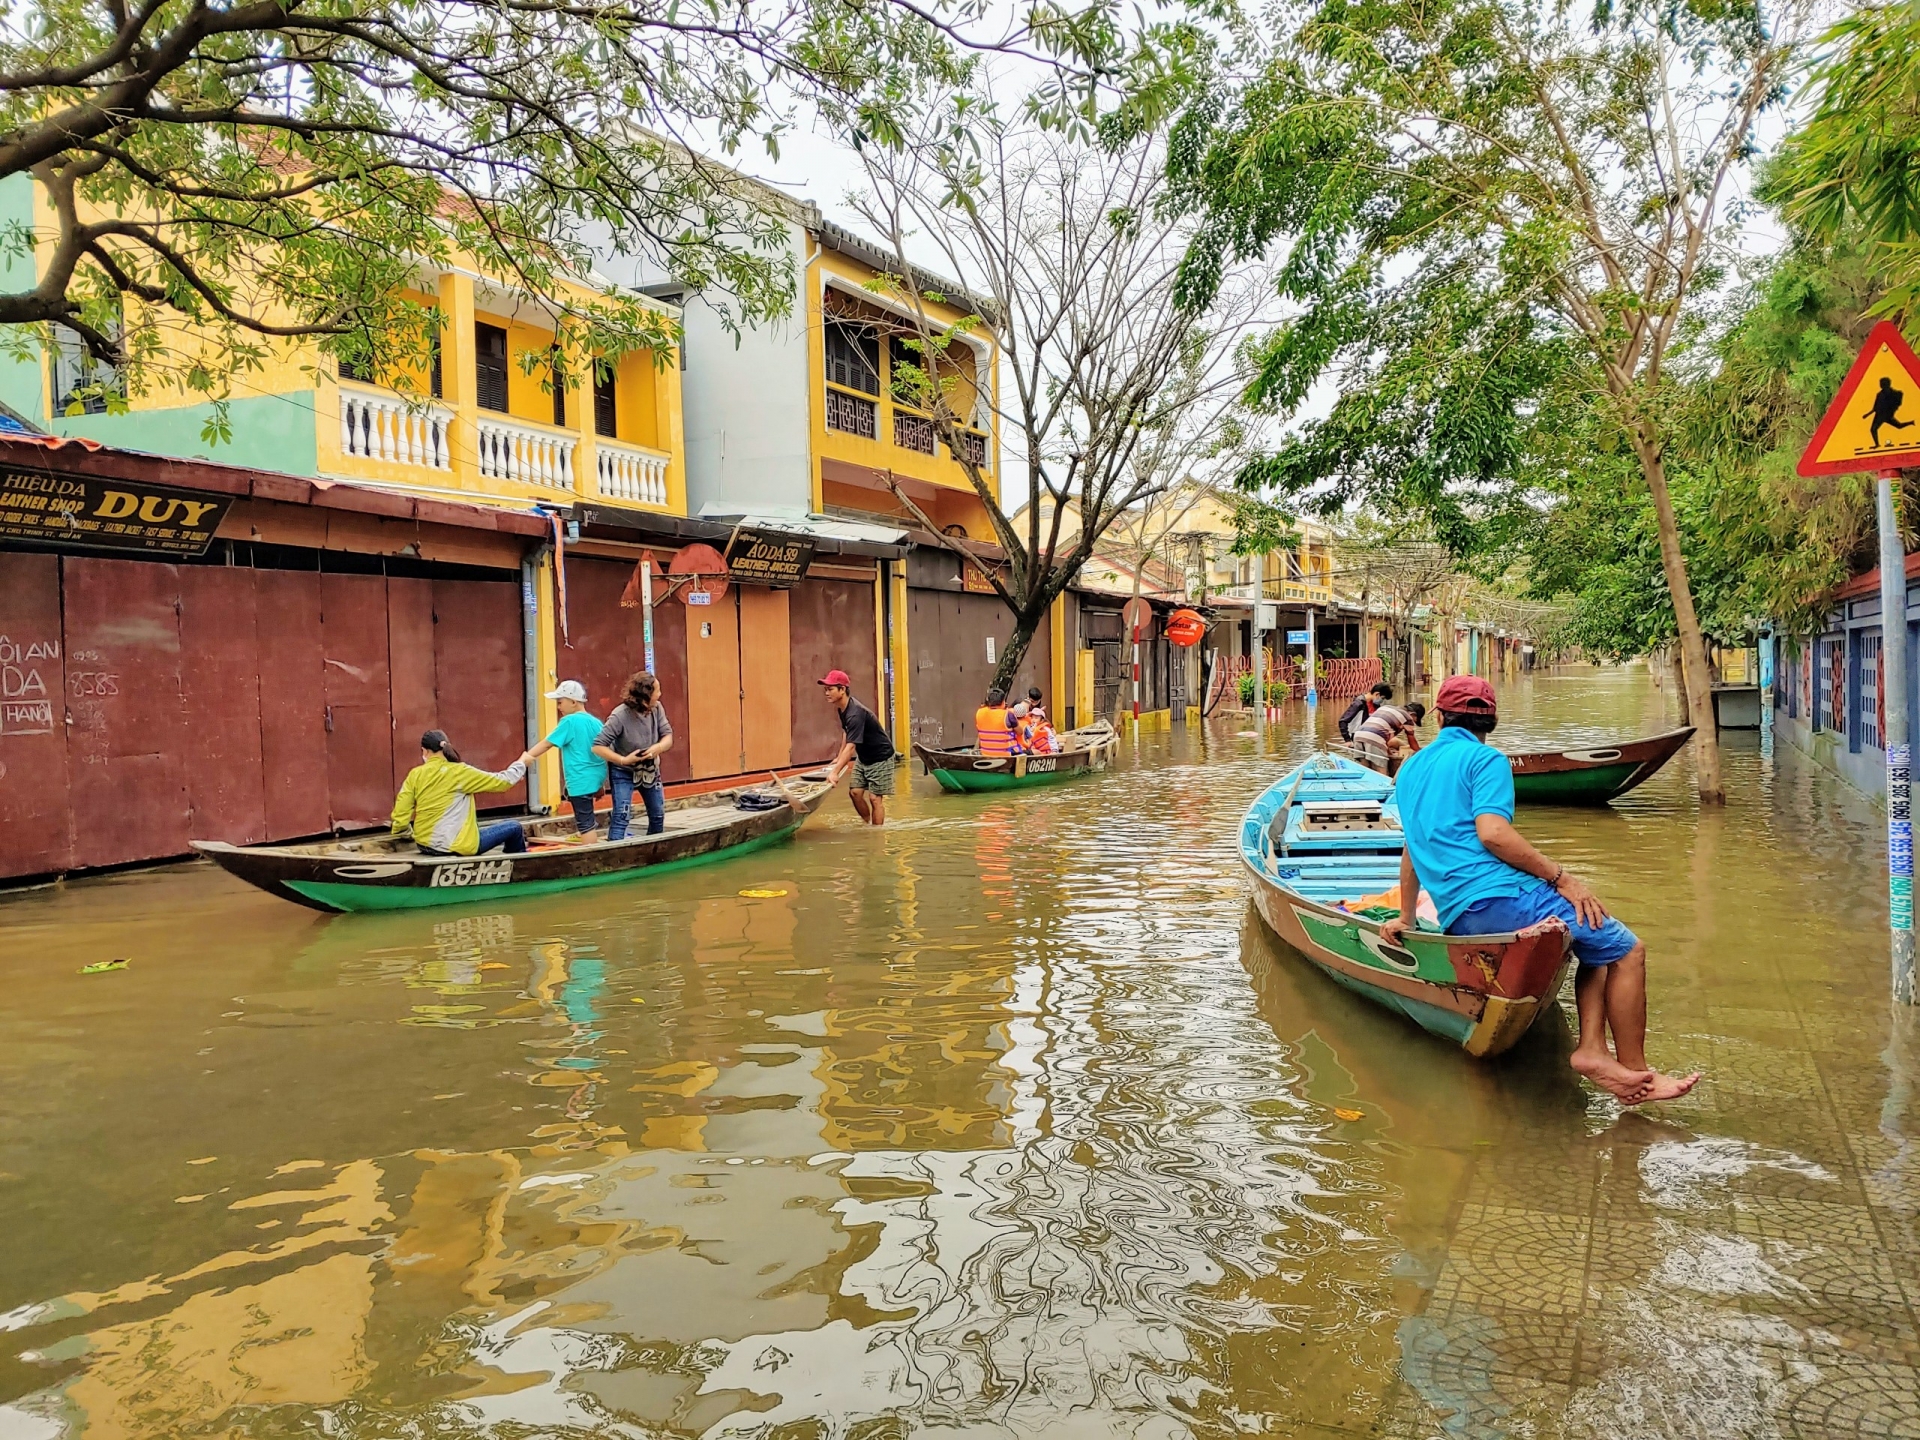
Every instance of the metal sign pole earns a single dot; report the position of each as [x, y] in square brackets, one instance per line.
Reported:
[1893, 658]
[1136, 675]
[646, 608]
[1313, 693]
[1259, 661]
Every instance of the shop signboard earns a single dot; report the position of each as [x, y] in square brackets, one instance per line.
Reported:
[87, 513]
[768, 557]
[974, 581]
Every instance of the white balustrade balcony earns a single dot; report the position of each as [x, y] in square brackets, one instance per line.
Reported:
[378, 425]
[630, 472]
[519, 450]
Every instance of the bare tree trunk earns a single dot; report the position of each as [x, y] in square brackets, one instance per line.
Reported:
[1677, 678]
[1025, 627]
[1693, 645]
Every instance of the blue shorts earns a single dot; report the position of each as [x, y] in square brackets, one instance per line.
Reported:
[1600, 944]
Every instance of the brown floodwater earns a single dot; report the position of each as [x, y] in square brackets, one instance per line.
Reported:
[1008, 1121]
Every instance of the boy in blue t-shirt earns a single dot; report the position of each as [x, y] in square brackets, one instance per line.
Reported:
[583, 774]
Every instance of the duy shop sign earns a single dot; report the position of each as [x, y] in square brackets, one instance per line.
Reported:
[86, 513]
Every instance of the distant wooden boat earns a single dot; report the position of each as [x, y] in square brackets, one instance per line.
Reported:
[379, 872]
[1328, 832]
[1089, 748]
[1594, 775]
[1591, 776]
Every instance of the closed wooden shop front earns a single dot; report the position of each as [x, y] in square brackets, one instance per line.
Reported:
[738, 675]
[152, 703]
[955, 639]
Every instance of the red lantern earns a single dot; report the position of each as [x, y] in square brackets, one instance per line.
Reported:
[1185, 627]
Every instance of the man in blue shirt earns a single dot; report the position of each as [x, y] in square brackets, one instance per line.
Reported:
[1456, 811]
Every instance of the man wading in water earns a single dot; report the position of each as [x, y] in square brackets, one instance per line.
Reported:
[1456, 810]
[868, 751]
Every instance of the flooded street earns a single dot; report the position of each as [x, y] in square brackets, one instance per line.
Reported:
[1010, 1120]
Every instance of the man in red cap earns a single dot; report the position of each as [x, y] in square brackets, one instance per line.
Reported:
[1456, 810]
[869, 750]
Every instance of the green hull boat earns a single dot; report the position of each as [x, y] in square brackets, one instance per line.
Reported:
[379, 872]
[968, 772]
[1578, 777]
[1592, 776]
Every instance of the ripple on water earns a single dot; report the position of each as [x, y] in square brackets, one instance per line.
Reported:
[1009, 1120]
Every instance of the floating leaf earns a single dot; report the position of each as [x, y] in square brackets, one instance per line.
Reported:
[762, 894]
[100, 967]
[1340, 1114]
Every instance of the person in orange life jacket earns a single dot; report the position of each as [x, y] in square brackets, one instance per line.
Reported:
[993, 724]
[1362, 707]
[1036, 734]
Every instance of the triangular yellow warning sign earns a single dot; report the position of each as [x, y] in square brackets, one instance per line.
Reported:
[1874, 422]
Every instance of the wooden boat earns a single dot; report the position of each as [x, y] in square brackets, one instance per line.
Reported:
[1328, 832]
[1595, 775]
[1576, 777]
[1082, 751]
[378, 872]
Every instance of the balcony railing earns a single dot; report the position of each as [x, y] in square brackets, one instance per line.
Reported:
[913, 432]
[628, 472]
[853, 414]
[530, 454]
[375, 425]
[973, 445]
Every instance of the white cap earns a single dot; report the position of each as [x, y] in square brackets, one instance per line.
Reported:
[568, 690]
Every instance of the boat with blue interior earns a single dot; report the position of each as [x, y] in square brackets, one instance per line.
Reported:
[1323, 846]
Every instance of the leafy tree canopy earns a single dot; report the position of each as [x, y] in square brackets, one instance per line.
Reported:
[264, 169]
[1853, 168]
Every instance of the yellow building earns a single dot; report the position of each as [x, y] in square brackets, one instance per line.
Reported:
[477, 418]
[797, 419]
[1187, 532]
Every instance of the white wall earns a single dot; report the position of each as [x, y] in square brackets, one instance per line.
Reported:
[744, 398]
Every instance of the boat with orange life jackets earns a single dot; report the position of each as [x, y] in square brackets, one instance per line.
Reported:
[991, 767]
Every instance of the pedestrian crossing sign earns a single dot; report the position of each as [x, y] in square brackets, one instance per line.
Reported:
[1874, 422]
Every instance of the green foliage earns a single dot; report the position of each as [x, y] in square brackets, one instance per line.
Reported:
[1853, 168]
[1260, 528]
[1495, 217]
[1760, 541]
[287, 169]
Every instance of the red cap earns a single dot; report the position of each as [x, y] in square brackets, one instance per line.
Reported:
[836, 677]
[1464, 695]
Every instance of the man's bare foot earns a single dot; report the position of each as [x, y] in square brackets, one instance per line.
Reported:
[1664, 1087]
[1610, 1075]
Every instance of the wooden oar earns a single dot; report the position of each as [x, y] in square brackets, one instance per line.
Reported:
[791, 802]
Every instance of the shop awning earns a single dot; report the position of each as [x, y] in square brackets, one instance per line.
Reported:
[830, 536]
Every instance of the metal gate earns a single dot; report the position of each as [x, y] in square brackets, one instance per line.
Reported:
[155, 703]
[1112, 673]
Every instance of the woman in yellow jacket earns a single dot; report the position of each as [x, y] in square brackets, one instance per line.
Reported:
[436, 806]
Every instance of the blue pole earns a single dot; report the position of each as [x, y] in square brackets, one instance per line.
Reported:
[1893, 651]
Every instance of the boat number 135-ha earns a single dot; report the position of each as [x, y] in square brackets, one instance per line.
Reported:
[473, 872]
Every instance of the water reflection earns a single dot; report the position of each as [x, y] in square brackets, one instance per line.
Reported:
[1010, 1120]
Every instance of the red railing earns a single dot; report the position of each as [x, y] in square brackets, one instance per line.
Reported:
[1338, 678]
